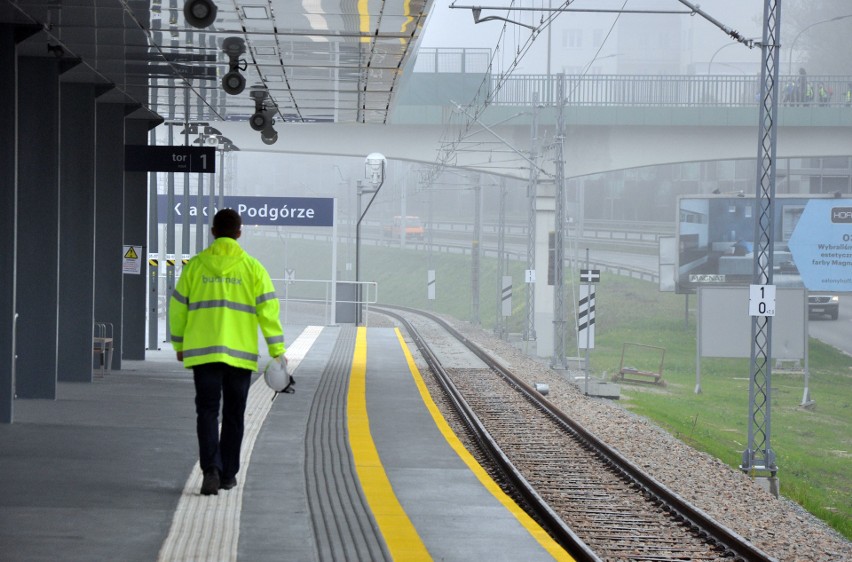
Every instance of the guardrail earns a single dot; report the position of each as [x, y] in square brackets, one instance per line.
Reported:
[627, 232]
[309, 300]
[465, 248]
[666, 91]
[632, 271]
[717, 90]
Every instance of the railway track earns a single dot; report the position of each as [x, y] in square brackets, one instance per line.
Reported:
[595, 502]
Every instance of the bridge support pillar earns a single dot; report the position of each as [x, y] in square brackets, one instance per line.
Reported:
[545, 212]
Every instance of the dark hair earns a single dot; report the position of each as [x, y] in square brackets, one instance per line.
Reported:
[227, 224]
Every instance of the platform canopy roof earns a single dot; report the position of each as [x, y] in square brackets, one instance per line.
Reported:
[332, 61]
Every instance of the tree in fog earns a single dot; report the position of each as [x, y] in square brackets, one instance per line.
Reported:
[823, 48]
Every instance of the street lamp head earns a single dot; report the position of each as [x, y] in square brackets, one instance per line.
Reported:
[796, 38]
[375, 168]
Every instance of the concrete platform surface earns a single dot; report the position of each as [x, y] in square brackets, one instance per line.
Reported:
[108, 470]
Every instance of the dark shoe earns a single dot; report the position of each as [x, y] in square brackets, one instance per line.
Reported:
[228, 483]
[210, 485]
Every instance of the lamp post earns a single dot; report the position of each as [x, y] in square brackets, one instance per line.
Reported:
[710, 64]
[375, 177]
[796, 38]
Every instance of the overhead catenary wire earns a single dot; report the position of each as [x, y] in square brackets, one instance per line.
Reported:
[734, 34]
[473, 113]
[449, 147]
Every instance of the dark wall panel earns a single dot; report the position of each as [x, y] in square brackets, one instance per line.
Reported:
[77, 224]
[109, 219]
[38, 228]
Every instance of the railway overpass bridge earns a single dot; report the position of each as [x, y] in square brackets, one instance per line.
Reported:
[612, 123]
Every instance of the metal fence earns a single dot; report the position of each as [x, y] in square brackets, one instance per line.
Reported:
[309, 301]
[667, 91]
[634, 90]
[453, 60]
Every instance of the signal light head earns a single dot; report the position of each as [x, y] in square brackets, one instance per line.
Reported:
[199, 13]
[233, 83]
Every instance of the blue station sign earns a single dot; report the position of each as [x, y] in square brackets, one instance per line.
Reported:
[267, 211]
[821, 245]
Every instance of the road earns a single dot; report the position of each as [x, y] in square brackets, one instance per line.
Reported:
[837, 333]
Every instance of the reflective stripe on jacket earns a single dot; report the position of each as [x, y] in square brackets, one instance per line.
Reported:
[221, 298]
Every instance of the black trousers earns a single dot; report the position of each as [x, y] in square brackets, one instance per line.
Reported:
[212, 382]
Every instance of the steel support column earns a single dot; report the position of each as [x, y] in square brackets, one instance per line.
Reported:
[559, 320]
[476, 252]
[501, 323]
[170, 232]
[153, 261]
[109, 220]
[10, 36]
[134, 230]
[759, 455]
[529, 331]
[77, 224]
[185, 202]
[37, 332]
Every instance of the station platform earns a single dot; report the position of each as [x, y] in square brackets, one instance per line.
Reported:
[357, 464]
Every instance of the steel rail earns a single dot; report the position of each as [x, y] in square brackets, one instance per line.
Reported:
[725, 537]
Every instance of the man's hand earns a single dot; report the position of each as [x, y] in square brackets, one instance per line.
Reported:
[180, 355]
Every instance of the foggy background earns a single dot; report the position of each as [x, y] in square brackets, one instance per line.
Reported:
[815, 36]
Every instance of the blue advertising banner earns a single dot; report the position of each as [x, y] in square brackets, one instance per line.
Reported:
[267, 211]
[822, 245]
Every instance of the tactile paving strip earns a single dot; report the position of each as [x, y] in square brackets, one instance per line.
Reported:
[343, 524]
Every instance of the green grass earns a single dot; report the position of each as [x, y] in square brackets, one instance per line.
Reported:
[813, 447]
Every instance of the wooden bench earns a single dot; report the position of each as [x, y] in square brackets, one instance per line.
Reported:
[651, 376]
[646, 354]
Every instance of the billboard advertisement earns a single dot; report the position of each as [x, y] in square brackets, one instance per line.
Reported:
[822, 245]
[715, 240]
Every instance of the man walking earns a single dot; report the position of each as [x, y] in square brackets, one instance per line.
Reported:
[223, 295]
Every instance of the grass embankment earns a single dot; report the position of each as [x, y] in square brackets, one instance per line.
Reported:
[813, 447]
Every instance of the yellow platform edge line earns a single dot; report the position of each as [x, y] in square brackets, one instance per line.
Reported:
[406, 13]
[544, 539]
[364, 20]
[399, 533]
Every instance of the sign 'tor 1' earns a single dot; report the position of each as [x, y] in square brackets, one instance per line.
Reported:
[142, 158]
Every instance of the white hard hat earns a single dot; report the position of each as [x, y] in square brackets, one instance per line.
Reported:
[277, 376]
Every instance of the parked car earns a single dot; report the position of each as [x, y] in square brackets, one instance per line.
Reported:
[822, 303]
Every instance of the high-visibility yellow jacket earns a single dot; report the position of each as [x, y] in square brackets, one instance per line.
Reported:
[221, 298]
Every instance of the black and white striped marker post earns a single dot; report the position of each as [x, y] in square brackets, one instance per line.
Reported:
[586, 313]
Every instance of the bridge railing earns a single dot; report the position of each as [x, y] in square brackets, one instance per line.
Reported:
[664, 91]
